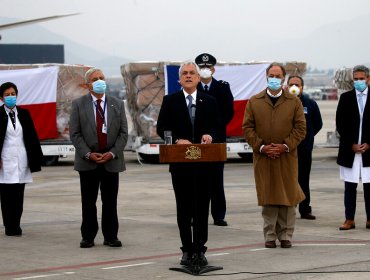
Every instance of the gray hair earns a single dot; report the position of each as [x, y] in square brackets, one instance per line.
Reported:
[89, 72]
[361, 68]
[188, 63]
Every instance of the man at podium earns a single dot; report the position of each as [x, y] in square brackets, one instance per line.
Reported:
[192, 118]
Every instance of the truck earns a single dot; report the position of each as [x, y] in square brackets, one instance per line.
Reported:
[47, 91]
[147, 83]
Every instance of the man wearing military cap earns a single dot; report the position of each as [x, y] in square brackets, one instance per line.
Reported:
[221, 91]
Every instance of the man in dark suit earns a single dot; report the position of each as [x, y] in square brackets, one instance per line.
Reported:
[20, 155]
[313, 126]
[353, 126]
[98, 130]
[220, 90]
[192, 117]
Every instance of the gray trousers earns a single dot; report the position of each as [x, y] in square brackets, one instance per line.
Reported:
[279, 222]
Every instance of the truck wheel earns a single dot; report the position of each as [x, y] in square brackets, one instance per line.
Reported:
[247, 157]
[49, 160]
[149, 158]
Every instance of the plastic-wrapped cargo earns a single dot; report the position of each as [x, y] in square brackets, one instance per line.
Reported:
[144, 92]
[70, 77]
[145, 88]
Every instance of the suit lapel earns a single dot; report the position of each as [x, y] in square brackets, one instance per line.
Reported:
[88, 107]
[110, 110]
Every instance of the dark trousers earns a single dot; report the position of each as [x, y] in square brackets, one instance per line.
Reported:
[91, 181]
[192, 203]
[218, 200]
[304, 170]
[350, 195]
[11, 198]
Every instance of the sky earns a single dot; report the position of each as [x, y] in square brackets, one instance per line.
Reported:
[323, 33]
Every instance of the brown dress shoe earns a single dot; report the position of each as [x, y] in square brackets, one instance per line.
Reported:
[348, 224]
[368, 224]
[270, 244]
[285, 244]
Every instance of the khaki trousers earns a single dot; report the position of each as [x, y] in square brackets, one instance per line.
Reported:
[279, 222]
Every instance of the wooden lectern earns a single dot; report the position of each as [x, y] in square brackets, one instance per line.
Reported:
[192, 153]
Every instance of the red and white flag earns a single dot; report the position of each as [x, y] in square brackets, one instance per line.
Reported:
[245, 81]
[37, 92]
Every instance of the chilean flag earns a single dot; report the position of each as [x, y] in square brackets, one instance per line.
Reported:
[245, 81]
[37, 92]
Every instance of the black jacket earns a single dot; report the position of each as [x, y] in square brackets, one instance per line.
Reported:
[313, 123]
[31, 141]
[174, 116]
[220, 90]
[348, 125]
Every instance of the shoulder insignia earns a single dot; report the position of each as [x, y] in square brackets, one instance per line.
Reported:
[223, 82]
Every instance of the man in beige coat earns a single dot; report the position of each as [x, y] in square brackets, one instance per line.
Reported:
[274, 125]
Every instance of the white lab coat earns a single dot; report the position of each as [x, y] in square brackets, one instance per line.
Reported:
[14, 156]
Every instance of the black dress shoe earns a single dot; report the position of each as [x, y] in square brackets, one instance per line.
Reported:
[202, 259]
[113, 243]
[221, 223]
[86, 243]
[185, 259]
[13, 232]
[308, 216]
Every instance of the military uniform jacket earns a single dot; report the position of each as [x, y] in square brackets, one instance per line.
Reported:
[220, 90]
[313, 122]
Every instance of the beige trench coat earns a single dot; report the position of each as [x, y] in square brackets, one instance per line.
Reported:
[284, 123]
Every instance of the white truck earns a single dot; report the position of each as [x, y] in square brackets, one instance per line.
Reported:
[147, 83]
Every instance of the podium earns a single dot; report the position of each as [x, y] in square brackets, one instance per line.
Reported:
[192, 153]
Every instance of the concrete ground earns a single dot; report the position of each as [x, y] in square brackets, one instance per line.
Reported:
[49, 247]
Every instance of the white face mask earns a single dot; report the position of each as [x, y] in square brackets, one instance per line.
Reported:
[294, 90]
[205, 73]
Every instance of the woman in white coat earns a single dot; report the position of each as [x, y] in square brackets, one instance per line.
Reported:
[20, 154]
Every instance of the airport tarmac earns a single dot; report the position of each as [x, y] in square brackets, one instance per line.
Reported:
[49, 247]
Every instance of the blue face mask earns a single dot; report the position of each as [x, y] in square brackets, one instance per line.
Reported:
[99, 86]
[360, 85]
[274, 83]
[10, 101]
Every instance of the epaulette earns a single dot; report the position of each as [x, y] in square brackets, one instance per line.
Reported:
[223, 82]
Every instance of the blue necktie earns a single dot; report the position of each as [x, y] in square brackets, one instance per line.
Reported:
[190, 98]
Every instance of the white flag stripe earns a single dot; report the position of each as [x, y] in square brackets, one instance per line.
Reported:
[35, 86]
[245, 80]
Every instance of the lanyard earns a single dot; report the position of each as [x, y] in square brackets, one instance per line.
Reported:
[99, 111]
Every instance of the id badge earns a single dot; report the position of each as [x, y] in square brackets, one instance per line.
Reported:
[104, 129]
[305, 110]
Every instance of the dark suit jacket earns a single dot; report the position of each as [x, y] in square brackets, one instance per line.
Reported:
[31, 140]
[82, 129]
[220, 90]
[348, 124]
[174, 116]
